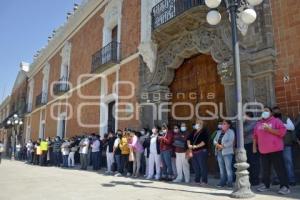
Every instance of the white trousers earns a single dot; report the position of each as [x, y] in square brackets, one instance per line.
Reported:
[71, 162]
[154, 161]
[183, 167]
[110, 161]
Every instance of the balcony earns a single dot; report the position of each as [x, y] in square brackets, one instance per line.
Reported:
[172, 17]
[61, 86]
[41, 99]
[106, 57]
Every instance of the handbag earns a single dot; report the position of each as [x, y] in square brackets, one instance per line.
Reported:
[189, 152]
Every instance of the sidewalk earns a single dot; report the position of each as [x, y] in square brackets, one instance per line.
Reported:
[21, 181]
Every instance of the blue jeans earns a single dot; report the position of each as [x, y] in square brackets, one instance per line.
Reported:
[289, 165]
[166, 159]
[199, 162]
[65, 161]
[225, 166]
[96, 160]
[57, 158]
[118, 161]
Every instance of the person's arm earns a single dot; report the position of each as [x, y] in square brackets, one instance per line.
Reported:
[289, 125]
[229, 142]
[254, 148]
[279, 129]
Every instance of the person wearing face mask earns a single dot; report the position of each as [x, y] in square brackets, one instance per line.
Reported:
[154, 156]
[253, 158]
[166, 150]
[180, 144]
[289, 139]
[224, 150]
[198, 144]
[268, 136]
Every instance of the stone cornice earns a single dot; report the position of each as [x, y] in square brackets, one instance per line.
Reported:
[63, 33]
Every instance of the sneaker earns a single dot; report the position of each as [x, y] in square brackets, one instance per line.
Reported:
[157, 178]
[128, 174]
[284, 191]
[263, 188]
[176, 181]
[118, 175]
[229, 185]
[149, 178]
[220, 185]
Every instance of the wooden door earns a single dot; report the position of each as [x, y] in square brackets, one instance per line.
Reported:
[195, 81]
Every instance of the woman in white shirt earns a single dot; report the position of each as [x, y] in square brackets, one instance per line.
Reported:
[154, 157]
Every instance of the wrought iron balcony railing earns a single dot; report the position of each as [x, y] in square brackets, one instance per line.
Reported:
[61, 86]
[108, 55]
[41, 99]
[167, 10]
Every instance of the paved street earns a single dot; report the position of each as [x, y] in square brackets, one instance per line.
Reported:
[21, 181]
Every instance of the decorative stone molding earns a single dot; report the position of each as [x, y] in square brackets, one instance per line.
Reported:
[203, 40]
[147, 47]
[112, 17]
[66, 53]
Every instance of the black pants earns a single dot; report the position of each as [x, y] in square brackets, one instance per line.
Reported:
[275, 159]
[43, 158]
[254, 161]
[124, 163]
[0, 156]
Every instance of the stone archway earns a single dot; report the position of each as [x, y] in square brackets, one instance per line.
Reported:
[257, 59]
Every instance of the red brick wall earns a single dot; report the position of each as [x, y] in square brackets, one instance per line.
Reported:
[86, 42]
[131, 27]
[129, 72]
[54, 74]
[286, 24]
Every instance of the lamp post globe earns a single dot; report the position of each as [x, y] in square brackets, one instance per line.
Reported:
[15, 115]
[248, 16]
[213, 17]
[8, 122]
[254, 2]
[212, 3]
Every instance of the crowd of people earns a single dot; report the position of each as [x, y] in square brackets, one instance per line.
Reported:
[171, 153]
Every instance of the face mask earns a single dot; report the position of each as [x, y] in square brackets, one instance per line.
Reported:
[153, 130]
[194, 127]
[183, 129]
[176, 130]
[143, 132]
[224, 127]
[220, 126]
[165, 131]
[265, 115]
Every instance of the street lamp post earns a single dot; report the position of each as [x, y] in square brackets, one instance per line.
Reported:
[14, 121]
[248, 16]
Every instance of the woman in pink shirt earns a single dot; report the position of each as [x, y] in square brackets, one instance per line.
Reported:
[137, 148]
[268, 136]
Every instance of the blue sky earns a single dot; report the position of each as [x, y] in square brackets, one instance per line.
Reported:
[24, 28]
